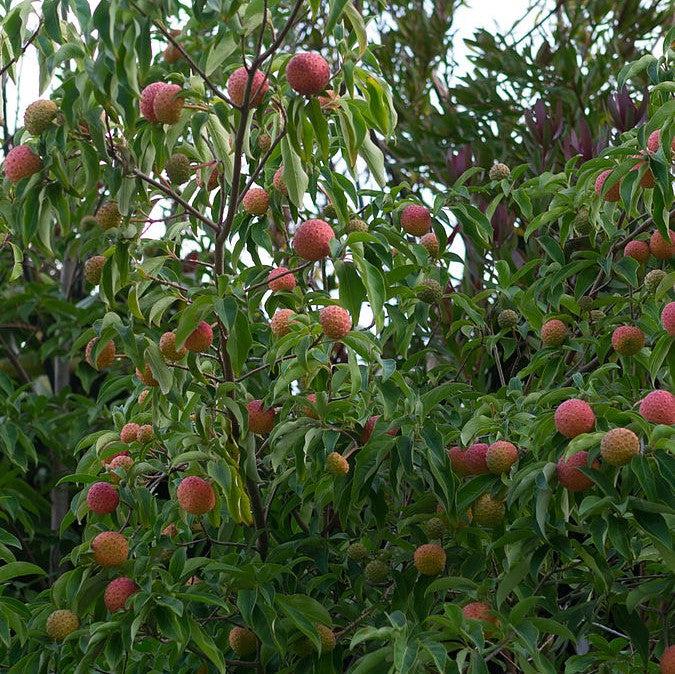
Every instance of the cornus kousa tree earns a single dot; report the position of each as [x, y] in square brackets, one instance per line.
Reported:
[251, 421]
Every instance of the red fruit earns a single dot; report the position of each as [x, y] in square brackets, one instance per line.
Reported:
[200, 339]
[311, 239]
[117, 592]
[569, 474]
[336, 464]
[195, 495]
[613, 194]
[658, 407]
[236, 87]
[110, 459]
[335, 321]
[667, 662]
[279, 182]
[129, 433]
[500, 456]
[105, 358]
[123, 461]
[574, 417]
[638, 250]
[307, 410]
[256, 201]
[458, 461]
[148, 100]
[260, 420]
[167, 347]
[619, 446]
[430, 242]
[668, 318]
[110, 548]
[21, 162]
[369, 426]
[479, 610]
[308, 73]
[627, 340]
[660, 248]
[553, 332]
[146, 377]
[102, 498]
[475, 459]
[281, 322]
[429, 559]
[281, 280]
[654, 141]
[171, 53]
[242, 641]
[416, 219]
[167, 104]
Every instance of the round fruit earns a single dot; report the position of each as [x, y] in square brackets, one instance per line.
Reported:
[356, 225]
[654, 141]
[569, 474]
[242, 641]
[430, 242]
[178, 168]
[336, 464]
[335, 321]
[479, 610]
[93, 268]
[457, 460]
[430, 291]
[613, 194]
[236, 87]
[105, 358]
[667, 662]
[108, 215]
[195, 495]
[369, 427]
[357, 552]
[311, 239]
[627, 340]
[279, 182]
[21, 162]
[435, 528]
[416, 219]
[376, 572]
[660, 248]
[121, 461]
[653, 279]
[260, 420]
[282, 322]
[658, 407]
[110, 548]
[167, 104]
[148, 100]
[129, 433]
[500, 172]
[39, 115]
[145, 433]
[553, 332]
[171, 53]
[256, 201]
[638, 250]
[167, 347]
[329, 212]
[488, 511]
[146, 377]
[574, 417]
[102, 498]
[327, 637]
[61, 623]
[429, 559]
[264, 142]
[200, 339]
[668, 318]
[281, 280]
[507, 319]
[117, 592]
[475, 459]
[619, 446]
[500, 456]
[308, 73]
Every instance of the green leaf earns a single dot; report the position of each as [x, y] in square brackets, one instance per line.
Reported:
[239, 342]
[162, 373]
[16, 569]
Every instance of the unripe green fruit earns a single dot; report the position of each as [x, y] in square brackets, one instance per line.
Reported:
[178, 168]
[582, 223]
[499, 172]
[356, 225]
[653, 279]
[507, 318]
[376, 572]
[357, 552]
[430, 291]
[329, 212]
[93, 268]
[39, 115]
[435, 528]
[596, 315]
[108, 216]
[88, 222]
[487, 511]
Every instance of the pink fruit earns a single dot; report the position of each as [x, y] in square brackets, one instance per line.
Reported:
[475, 459]
[260, 420]
[311, 239]
[458, 461]
[335, 321]
[129, 433]
[167, 347]
[195, 495]
[553, 332]
[281, 322]
[308, 73]
[658, 407]
[430, 242]
[638, 250]
[613, 194]
[500, 456]
[21, 162]
[479, 610]
[105, 358]
[148, 99]
[660, 248]
[167, 104]
[574, 417]
[654, 143]
[369, 427]
[627, 340]
[236, 87]
[415, 219]
[668, 318]
[279, 182]
[117, 592]
[200, 339]
[281, 280]
[569, 474]
[256, 201]
[102, 498]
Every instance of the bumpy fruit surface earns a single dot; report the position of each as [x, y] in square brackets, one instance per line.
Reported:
[327, 637]
[661, 248]
[117, 592]
[279, 182]
[21, 162]
[501, 455]
[430, 242]
[667, 662]
[242, 641]
[627, 340]
[61, 623]
[256, 201]
[110, 548]
[171, 53]
[129, 433]
[430, 291]
[167, 104]
[458, 462]
[369, 427]
[280, 280]
[668, 318]
[488, 511]
[145, 433]
[39, 115]
[282, 321]
[200, 339]
[356, 225]
[93, 268]
[435, 528]
[653, 279]
[236, 87]
[102, 498]
[121, 461]
[614, 193]
[167, 347]
[429, 559]
[499, 172]
[178, 168]
[638, 250]
[329, 212]
[658, 407]
[507, 318]
[105, 358]
[553, 332]
[264, 142]
[569, 474]
[654, 142]
[376, 572]
[146, 377]
[357, 552]
[108, 215]
[311, 239]
[195, 495]
[479, 610]
[308, 73]
[574, 417]
[260, 420]
[147, 101]
[415, 219]
[475, 459]
[619, 446]
[335, 321]
[336, 464]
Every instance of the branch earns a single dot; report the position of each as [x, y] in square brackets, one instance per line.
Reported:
[279, 38]
[28, 43]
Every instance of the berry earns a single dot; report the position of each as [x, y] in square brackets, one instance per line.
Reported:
[667, 662]
[507, 318]
[167, 347]
[415, 219]
[357, 552]
[569, 474]
[200, 339]
[308, 73]
[236, 87]
[39, 115]
[171, 53]
[21, 162]
[148, 100]
[146, 433]
[627, 340]
[653, 279]
[129, 433]
[479, 610]
[281, 280]
[264, 142]
[178, 168]
[105, 357]
[309, 411]
[336, 464]
[430, 291]
[430, 243]
[585, 303]
[167, 104]
[311, 239]
[88, 222]
[195, 495]
[613, 194]
[260, 420]
[429, 559]
[335, 321]
[488, 511]
[658, 407]
[110, 548]
[282, 321]
[121, 461]
[146, 377]
[435, 528]
[329, 212]
[660, 248]
[647, 181]
[654, 141]
[279, 182]
[102, 498]
[553, 332]
[596, 315]
[170, 530]
[108, 215]
[356, 225]
[500, 456]
[574, 417]
[189, 262]
[369, 427]
[61, 623]
[376, 572]
[499, 172]
[256, 201]
[327, 637]
[458, 461]
[475, 459]
[638, 250]
[668, 318]
[242, 641]
[619, 446]
[93, 268]
[117, 592]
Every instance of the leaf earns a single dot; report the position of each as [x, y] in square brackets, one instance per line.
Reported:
[239, 342]
[160, 371]
[206, 645]
[294, 175]
[510, 581]
[16, 569]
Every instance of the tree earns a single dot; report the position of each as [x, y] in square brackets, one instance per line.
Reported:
[250, 422]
